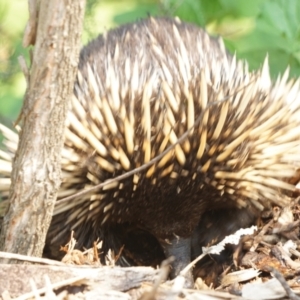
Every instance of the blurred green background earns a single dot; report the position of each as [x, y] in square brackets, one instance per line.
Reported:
[250, 28]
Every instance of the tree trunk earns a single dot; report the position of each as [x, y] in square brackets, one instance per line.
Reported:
[55, 28]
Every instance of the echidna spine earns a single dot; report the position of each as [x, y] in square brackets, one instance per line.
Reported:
[139, 89]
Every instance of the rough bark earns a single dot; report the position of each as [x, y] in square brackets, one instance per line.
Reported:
[55, 28]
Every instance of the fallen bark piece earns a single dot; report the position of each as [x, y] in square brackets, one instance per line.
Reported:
[271, 289]
[16, 278]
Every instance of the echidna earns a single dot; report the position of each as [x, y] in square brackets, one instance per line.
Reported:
[139, 88]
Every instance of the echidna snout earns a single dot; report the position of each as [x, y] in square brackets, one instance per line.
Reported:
[139, 88]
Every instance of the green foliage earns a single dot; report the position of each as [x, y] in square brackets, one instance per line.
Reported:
[12, 83]
[277, 33]
[203, 12]
[250, 28]
[103, 15]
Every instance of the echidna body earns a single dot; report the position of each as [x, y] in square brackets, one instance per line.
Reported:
[139, 89]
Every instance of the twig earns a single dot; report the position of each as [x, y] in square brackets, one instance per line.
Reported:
[54, 286]
[31, 259]
[283, 283]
